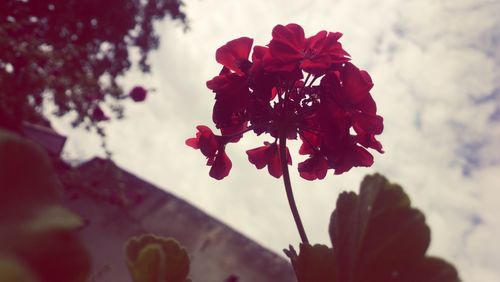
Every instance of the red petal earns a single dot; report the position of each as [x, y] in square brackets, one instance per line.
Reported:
[315, 66]
[369, 141]
[233, 130]
[333, 48]
[221, 166]
[258, 156]
[274, 163]
[193, 142]
[367, 105]
[258, 53]
[310, 142]
[268, 155]
[232, 97]
[355, 84]
[286, 48]
[234, 54]
[354, 156]
[227, 82]
[288, 157]
[313, 168]
[314, 42]
[367, 124]
[287, 40]
[321, 51]
[207, 142]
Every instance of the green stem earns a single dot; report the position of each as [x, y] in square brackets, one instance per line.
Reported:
[288, 189]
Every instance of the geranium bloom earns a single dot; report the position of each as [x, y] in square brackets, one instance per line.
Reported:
[290, 48]
[295, 87]
[212, 147]
[268, 155]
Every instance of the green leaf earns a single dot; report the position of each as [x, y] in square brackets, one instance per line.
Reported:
[27, 179]
[152, 258]
[378, 236]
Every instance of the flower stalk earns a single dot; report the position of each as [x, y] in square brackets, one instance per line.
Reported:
[288, 189]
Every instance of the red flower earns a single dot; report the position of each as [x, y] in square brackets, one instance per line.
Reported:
[211, 146]
[268, 155]
[290, 49]
[138, 94]
[231, 85]
[231, 99]
[354, 98]
[336, 119]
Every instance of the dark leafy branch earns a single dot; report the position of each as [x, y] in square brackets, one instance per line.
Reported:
[70, 53]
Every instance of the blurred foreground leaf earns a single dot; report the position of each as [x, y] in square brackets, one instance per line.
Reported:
[12, 270]
[35, 230]
[52, 218]
[377, 237]
[152, 258]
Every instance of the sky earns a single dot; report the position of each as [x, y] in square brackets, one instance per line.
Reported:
[436, 71]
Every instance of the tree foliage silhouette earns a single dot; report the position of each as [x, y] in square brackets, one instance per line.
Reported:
[70, 53]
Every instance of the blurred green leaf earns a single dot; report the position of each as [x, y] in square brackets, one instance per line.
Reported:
[152, 258]
[27, 179]
[12, 270]
[34, 228]
[52, 218]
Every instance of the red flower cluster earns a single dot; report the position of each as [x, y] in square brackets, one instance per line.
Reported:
[296, 87]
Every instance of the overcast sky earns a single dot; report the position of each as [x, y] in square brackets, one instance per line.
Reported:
[435, 66]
